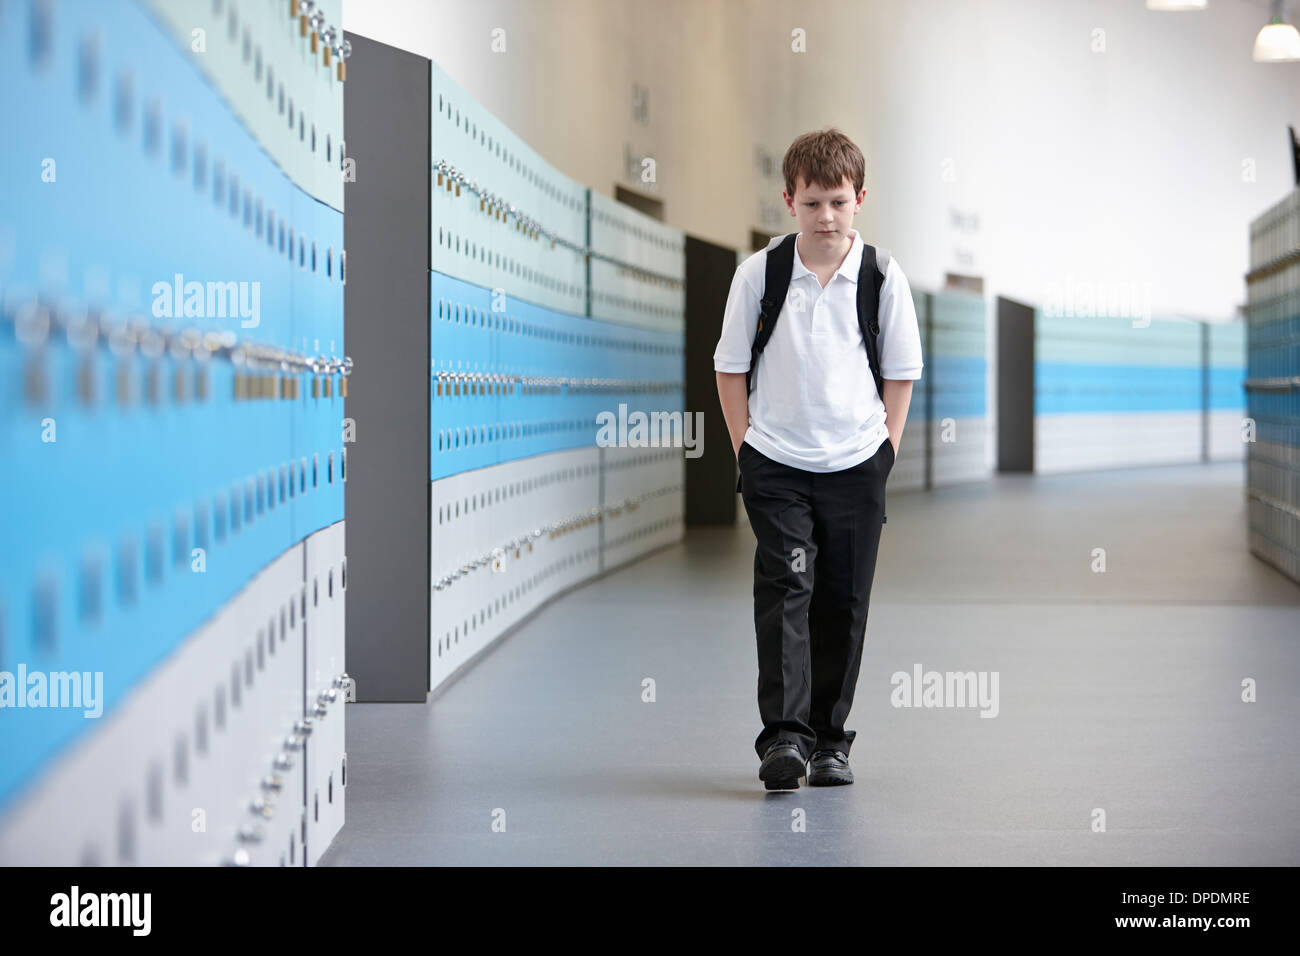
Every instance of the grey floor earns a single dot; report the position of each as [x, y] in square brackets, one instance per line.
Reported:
[1118, 692]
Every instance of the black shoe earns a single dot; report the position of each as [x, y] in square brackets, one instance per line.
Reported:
[782, 766]
[829, 768]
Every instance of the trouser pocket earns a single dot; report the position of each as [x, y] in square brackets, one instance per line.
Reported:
[886, 449]
[740, 462]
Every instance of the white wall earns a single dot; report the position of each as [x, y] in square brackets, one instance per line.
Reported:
[1122, 166]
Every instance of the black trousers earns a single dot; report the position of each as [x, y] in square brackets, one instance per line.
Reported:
[818, 535]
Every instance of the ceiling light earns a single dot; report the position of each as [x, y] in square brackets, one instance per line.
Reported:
[1278, 42]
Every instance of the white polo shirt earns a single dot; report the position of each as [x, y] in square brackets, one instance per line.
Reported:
[814, 405]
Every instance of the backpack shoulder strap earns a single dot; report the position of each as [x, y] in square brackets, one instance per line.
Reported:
[871, 278]
[776, 283]
[882, 263]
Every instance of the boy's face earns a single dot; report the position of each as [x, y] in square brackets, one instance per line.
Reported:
[825, 216]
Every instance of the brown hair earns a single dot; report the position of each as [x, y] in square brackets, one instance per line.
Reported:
[824, 157]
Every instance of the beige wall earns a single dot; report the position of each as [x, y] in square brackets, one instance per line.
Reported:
[1121, 166]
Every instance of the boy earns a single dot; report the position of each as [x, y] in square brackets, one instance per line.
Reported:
[815, 442]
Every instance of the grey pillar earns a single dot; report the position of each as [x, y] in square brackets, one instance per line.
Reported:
[386, 234]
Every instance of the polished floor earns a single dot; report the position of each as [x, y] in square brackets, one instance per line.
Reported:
[1120, 736]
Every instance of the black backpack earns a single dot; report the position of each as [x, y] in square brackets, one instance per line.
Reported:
[780, 266]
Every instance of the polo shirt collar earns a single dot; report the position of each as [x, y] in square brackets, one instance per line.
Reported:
[848, 268]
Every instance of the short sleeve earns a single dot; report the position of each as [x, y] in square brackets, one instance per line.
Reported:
[900, 335]
[739, 323]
